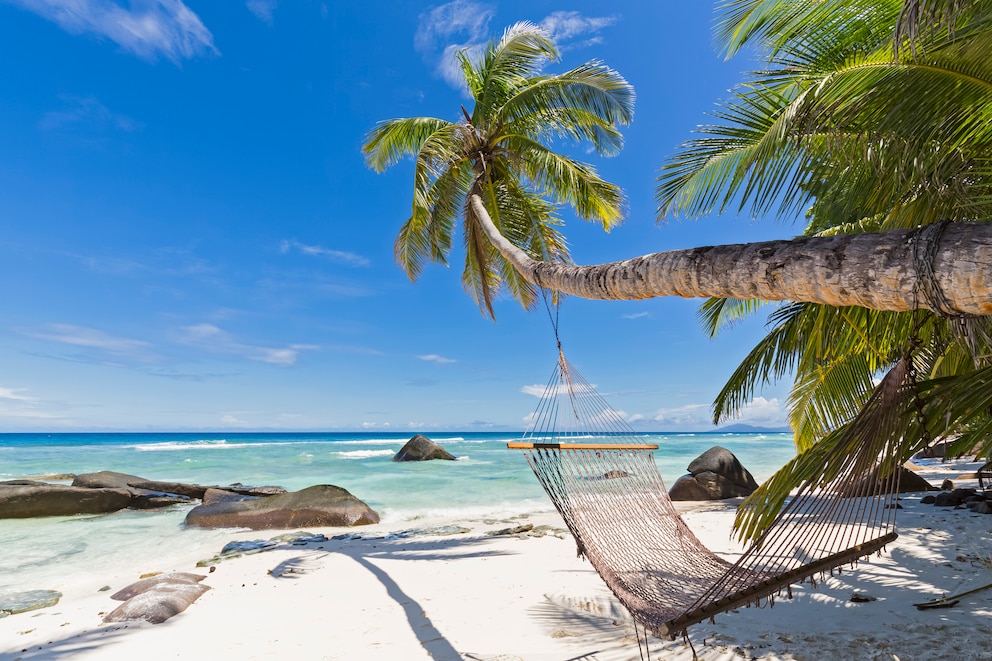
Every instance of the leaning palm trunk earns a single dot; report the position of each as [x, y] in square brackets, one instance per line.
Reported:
[949, 271]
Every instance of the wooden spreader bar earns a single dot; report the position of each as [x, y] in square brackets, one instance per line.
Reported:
[521, 445]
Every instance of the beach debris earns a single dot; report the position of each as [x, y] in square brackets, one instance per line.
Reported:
[421, 448]
[947, 602]
[437, 531]
[21, 602]
[239, 548]
[156, 601]
[862, 598]
[714, 475]
[515, 530]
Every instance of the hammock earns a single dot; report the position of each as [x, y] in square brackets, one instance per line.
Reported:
[604, 482]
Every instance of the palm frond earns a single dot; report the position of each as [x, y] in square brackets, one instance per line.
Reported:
[568, 180]
[717, 314]
[393, 139]
[884, 426]
[506, 65]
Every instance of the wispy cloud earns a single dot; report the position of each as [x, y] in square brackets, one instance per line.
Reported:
[262, 9]
[288, 245]
[435, 358]
[85, 112]
[464, 25]
[148, 28]
[216, 340]
[570, 29]
[91, 338]
[14, 405]
[637, 315]
[449, 28]
[12, 394]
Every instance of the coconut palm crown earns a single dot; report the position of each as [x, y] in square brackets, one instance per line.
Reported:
[501, 151]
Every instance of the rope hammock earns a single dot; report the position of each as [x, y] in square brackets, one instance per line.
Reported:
[603, 480]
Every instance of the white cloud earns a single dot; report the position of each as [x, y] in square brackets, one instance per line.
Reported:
[92, 338]
[564, 26]
[463, 25]
[148, 28]
[688, 416]
[435, 358]
[638, 315]
[216, 340]
[262, 9]
[14, 405]
[11, 393]
[763, 413]
[444, 31]
[320, 251]
[461, 17]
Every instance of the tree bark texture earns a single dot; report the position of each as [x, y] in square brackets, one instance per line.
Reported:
[884, 271]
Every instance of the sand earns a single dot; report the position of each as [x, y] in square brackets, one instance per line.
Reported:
[449, 591]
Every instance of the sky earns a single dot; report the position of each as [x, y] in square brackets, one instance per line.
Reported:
[190, 238]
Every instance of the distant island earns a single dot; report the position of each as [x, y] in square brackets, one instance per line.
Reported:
[751, 429]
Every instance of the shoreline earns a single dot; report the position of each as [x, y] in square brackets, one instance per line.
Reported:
[373, 594]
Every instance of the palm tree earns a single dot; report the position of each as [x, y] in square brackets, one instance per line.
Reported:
[837, 125]
[499, 153]
[869, 116]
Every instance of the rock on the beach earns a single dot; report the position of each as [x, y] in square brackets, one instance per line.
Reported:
[714, 475]
[152, 582]
[421, 448]
[319, 505]
[158, 603]
[909, 482]
[21, 501]
[22, 602]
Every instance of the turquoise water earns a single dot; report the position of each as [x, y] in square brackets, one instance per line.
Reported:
[487, 480]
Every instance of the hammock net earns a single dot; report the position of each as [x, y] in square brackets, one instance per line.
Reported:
[603, 480]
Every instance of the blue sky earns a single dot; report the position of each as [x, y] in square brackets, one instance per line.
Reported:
[190, 239]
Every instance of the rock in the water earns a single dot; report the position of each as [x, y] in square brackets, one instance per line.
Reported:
[714, 475]
[320, 505]
[146, 584]
[24, 501]
[105, 480]
[140, 486]
[21, 602]
[158, 603]
[421, 448]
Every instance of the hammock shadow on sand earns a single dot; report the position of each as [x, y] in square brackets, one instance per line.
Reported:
[603, 480]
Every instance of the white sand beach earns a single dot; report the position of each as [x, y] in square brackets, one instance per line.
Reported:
[467, 595]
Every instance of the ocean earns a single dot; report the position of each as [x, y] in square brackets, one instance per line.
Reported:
[487, 481]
